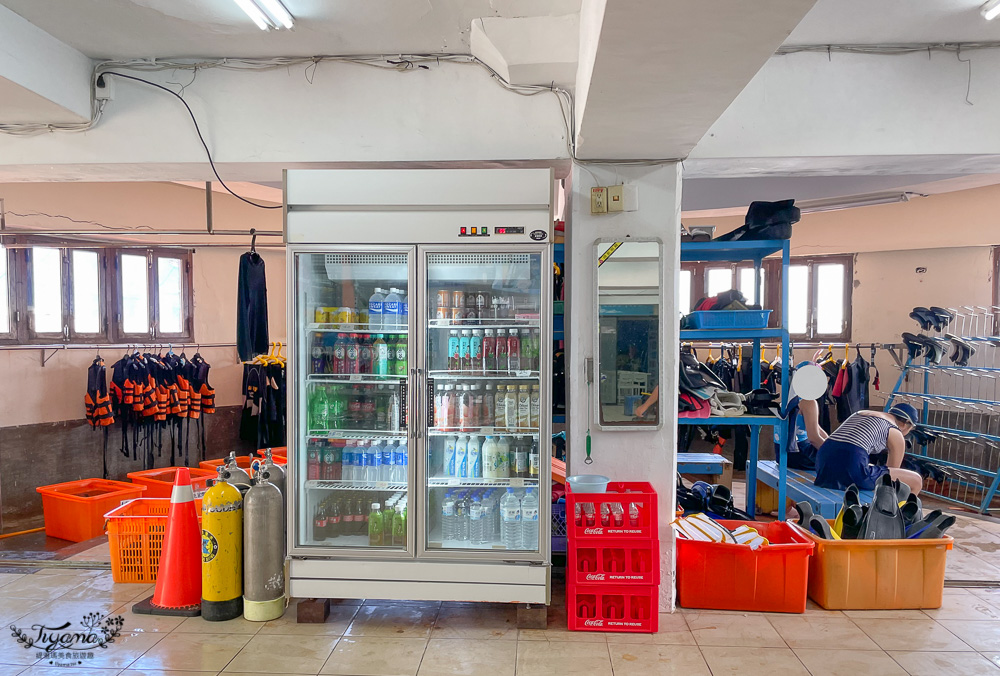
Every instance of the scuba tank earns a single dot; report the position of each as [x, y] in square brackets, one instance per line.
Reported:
[263, 551]
[222, 551]
[276, 473]
[237, 475]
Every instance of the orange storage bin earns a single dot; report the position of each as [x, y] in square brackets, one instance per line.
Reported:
[720, 576]
[278, 453]
[244, 461]
[877, 574]
[159, 483]
[135, 536]
[75, 510]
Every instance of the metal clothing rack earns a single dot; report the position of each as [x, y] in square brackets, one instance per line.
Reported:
[959, 406]
[57, 347]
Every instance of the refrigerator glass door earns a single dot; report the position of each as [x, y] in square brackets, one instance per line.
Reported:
[352, 349]
[484, 393]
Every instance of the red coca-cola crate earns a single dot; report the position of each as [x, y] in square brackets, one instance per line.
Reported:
[607, 607]
[614, 561]
[638, 517]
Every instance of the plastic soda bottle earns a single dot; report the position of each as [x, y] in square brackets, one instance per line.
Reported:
[381, 356]
[449, 456]
[461, 457]
[375, 530]
[476, 351]
[400, 463]
[448, 517]
[399, 363]
[510, 520]
[513, 352]
[387, 469]
[454, 345]
[489, 452]
[464, 355]
[375, 307]
[398, 527]
[391, 309]
[489, 352]
[319, 409]
[501, 351]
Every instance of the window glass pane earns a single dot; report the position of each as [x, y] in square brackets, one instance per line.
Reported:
[684, 292]
[169, 286]
[718, 280]
[747, 283]
[798, 298]
[829, 298]
[135, 294]
[4, 293]
[86, 292]
[46, 289]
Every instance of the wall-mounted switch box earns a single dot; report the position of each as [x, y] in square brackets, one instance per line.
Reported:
[616, 201]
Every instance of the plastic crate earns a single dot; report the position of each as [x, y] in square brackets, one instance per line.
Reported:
[877, 574]
[75, 510]
[135, 536]
[243, 461]
[626, 493]
[721, 576]
[617, 562]
[558, 526]
[159, 483]
[607, 607]
[729, 319]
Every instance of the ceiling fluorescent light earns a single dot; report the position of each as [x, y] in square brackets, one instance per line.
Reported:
[280, 15]
[990, 10]
[817, 206]
[253, 11]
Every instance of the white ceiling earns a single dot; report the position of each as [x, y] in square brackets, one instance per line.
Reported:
[894, 21]
[217, 28]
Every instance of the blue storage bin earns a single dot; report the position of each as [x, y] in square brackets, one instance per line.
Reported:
[730, 319]
[559, 527]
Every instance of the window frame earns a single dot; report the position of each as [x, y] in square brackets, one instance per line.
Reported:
[771, 299]
[153, 256]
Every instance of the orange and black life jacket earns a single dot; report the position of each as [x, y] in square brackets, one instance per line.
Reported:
[97, 400]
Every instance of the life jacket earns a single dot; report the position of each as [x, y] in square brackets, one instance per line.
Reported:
[206, 391]
[97, 399]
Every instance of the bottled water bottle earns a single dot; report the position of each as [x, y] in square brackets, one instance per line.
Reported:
[510, 520]
[462, 518]
[388, 462]
[529, 520]
[391, 308]
[373, 462]
[448, 517]
[376, 304]
[477, 523]
[400, 466]
[404, 312]
[360, 462]
[461, 456]
[449, 456]
[474, 462]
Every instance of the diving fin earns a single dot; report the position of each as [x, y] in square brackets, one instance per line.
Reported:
[902, 491]
[853, 516]
[915, 528]
[851, 498]
[912, 510]
[883, 521]
[819, 526]
[936, 529]
[805, 510]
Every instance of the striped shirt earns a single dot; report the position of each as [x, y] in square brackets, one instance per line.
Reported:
[869, 432]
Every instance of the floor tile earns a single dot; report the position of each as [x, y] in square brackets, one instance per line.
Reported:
[479, 623]
[79, 572]
[470, 657]
[629, 659]
[813, 608]
[821, 632]
[711, 629]
[46, 587]
[559, 631]
[146, 623]
[288, 654]
[940, 663]
[106, 587]
[374, 656]
[912, 635]
[12, 609]
[67, 671]
[964, 607]
[398, 621]
[199, 625]
[193, 652]
[885, 614]
[559, 659]
[834, 662]
[158, 672]
[753, 662]
[963, 565]
[673, 630]
[7, 578]
[992, 657]
[980, 635]
[11, 669]
[336, 624]
[125, 650]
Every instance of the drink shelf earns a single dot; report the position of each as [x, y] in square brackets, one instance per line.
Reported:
[352, 541]
[458, 375]
[434, 541]
[342, 485]
[482, 431]
[354, 379]
[488, 431]
[353, 434]
[462, 482]
[484, 324]
[353, 328]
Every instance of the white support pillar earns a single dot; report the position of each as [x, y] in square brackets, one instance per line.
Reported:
[640, 455]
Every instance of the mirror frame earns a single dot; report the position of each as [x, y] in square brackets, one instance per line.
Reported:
[596, 350]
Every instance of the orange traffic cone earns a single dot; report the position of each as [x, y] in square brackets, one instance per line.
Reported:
[178, 581]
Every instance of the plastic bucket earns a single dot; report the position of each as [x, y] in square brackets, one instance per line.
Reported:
[588, 483]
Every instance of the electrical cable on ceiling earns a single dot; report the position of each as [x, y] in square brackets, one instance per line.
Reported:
[31, 214]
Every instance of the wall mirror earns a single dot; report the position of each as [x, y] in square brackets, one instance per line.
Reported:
[629, 283]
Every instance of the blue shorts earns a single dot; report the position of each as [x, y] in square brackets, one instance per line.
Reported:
[840, 464]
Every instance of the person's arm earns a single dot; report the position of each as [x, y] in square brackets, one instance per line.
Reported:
[641, 410]
[810, 414]
[897, 448]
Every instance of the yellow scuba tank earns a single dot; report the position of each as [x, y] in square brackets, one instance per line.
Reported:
[222, 551]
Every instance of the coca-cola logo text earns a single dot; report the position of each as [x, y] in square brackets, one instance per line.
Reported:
[595, 576]
[593, 531]
[593, 623]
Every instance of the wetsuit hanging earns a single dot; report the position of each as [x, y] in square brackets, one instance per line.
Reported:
[251, 306]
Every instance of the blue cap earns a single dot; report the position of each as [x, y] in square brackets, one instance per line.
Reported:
[905, 412]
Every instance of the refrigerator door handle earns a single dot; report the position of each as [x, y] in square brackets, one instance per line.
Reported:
[423, 409]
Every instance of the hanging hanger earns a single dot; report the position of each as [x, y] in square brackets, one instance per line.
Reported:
[253, 240]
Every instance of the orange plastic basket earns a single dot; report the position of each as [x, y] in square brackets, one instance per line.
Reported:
[75, 510]
[159, 483]
[278, 453]
[135, 536]
[241, 461]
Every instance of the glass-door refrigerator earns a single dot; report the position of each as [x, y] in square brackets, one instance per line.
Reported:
[419, 306]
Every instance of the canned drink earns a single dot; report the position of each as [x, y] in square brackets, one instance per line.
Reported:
[458, 299]
[344, 315]
[362, 315]
[457, 314]
[321, 316]
[443, 313]
[443, 298]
